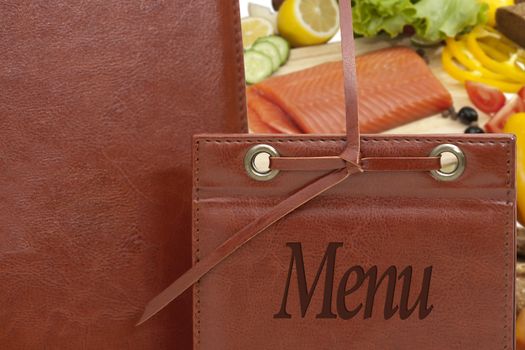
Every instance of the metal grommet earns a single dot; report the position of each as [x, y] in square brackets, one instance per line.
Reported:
[460, 163]
[255, 170]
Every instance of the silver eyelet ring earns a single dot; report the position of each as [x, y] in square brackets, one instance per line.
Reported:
[455, 174]
[251, 167]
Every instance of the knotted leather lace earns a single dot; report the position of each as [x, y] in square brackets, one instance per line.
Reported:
[340, 168]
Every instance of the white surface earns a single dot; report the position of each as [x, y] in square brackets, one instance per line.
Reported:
[267, 3]
[244, 5]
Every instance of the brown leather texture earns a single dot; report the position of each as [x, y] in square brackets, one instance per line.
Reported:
[463, 230]
[99, 103]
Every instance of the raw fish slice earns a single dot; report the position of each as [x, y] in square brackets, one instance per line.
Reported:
[270, 114]
[395, 87]
[257, 126]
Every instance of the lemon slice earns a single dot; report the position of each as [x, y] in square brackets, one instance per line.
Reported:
[308, 22]
[254, 28]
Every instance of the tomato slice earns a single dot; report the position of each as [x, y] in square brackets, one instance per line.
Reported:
[487, 99]
[521, 94]
[497, 123]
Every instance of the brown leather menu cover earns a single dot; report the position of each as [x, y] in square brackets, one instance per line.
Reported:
[334, 274]
[357, 242]
[98, 104]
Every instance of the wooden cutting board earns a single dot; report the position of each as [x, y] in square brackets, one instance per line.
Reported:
[303, 58]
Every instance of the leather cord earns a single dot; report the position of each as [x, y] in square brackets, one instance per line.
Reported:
[352, 151]
[340, 168]
[367, 164]
[242, 237]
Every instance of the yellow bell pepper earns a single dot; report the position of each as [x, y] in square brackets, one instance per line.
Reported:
[493, 52]
[520, 331]
[461, 53]
[485, 56]
[464, 75]
[516, 125]
[493, 7]
[508, 68]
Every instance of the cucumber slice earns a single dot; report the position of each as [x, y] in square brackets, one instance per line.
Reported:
[270, 50]
[257, 66]
[283, 46]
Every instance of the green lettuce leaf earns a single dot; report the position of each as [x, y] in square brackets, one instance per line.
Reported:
[372, 17]
[437, 20]
[433, 20]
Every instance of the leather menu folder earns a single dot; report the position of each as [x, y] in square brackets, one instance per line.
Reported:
[360, 242]
[99, 103]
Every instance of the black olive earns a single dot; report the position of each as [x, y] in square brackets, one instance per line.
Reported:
[468, 115]
[474, 130]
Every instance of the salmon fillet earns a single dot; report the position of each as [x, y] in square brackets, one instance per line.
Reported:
[269, 114]
[395, 87]
[257, 126]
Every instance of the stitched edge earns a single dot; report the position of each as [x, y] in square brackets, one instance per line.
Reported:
[196, 251]
[241, 87]
[509, 223]
[244, 128]
[249, 141]
[510, 227]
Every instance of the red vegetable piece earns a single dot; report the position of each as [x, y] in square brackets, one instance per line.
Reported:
[497, 123]
[487, 99]
[521, 94]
